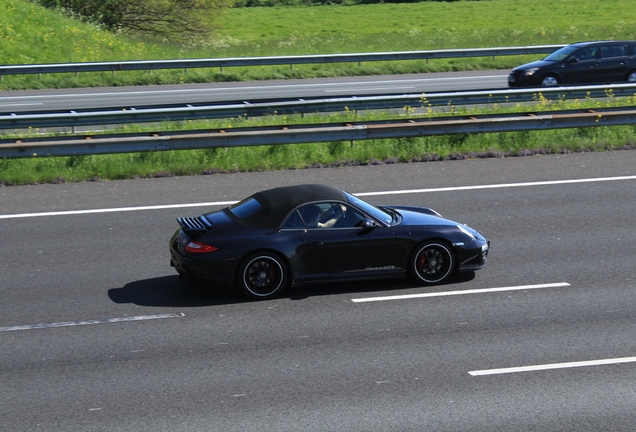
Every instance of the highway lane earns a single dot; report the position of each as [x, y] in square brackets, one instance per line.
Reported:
[314, 359]
[120, 97]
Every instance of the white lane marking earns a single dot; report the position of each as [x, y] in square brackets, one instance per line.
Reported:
[553, 366]
[370, 88]
[21, 104]
[497, 186]
[237, 88]
[98, 321]
[464, 292]
[114, 210]
[381, 193]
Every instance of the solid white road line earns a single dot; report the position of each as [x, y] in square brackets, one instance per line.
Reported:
[553, 366]
[98, 321]
[396, 192]
[22, 104]
[498, 186]
[464, 292]
[115, 210]
[370, 88]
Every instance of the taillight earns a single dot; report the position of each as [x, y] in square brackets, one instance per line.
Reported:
[198, 247]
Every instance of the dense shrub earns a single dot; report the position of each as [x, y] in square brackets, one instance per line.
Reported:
[174, 20]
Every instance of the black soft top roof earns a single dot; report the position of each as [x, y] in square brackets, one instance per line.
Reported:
[278, 202]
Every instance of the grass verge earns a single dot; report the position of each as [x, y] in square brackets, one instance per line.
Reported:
[31, 34]
[332, 154]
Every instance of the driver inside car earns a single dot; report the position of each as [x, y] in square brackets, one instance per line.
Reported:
[314, 215]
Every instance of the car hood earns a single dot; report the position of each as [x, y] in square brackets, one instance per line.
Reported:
[534, 64]
[421, 216]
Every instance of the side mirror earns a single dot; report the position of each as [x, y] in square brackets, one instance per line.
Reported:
[572, 61]
[367, 224]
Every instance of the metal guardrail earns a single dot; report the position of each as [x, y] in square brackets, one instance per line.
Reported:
[295, 134]
[270, 61]
[74, 119]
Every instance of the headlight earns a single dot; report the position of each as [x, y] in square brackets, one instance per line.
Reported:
[529, 72]
[465, 231]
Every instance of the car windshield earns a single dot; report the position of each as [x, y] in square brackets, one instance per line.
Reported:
[371, 210]
[562, 53]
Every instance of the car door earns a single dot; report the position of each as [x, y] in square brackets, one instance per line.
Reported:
[614, 63]
[581, 67]
[345, 247]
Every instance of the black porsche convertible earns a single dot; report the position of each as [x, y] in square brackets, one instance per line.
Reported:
[311, 233]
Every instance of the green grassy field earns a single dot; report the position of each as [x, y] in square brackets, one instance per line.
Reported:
[30, 34]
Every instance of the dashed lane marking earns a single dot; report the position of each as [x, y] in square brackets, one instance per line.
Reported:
[553, 366]
[462, 292]
[97, 321]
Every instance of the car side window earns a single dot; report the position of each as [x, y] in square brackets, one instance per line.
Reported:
[312, 214]
[330, 215]
[350, 218]
[587, 53]
[613, 51]
[294, 221]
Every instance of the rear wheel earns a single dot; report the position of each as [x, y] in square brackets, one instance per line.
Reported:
[631, 77]
[262, 276]
[549, 81]
[432, 263]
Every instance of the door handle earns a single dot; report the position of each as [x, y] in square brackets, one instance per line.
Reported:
[315, 244]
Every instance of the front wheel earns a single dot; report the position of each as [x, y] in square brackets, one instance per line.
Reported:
[262, 276]
[549, 81]
[631, 77]
[432, 263]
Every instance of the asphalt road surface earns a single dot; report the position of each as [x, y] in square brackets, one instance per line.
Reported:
[98, 334]
[115, 97]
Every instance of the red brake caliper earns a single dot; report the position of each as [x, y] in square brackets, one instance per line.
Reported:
[422, 261]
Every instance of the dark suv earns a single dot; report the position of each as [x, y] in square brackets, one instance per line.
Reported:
[601, 62]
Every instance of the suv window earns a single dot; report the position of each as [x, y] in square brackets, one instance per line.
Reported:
[587, 53]
[613, 51]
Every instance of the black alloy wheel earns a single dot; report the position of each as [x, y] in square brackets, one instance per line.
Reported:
[432, 263]
[262, 276]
